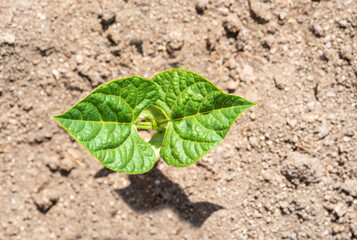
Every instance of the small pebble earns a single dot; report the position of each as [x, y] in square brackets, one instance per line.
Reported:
[232, 86]
[253, 141]
[8, 38]
[282, 15]
[201, 6]
[317, 30]
[108, 18]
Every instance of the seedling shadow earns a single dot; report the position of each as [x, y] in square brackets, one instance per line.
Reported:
[153, 191]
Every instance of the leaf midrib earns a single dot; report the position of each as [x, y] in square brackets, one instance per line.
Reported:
[77, 120]
[171, 120]
[202, 113]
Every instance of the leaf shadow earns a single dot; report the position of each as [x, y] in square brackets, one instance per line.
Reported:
[104, 172]
[153, 191]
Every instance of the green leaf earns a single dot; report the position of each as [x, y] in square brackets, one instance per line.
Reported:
[152, 113]
[200, 115]
[156, 142]
[104, 123]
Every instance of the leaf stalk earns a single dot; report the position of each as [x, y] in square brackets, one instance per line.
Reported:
[154, 125]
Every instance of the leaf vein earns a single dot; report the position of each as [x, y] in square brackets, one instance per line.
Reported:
[105, 94]
[90, 140]
[107, 149]
[182, 93]
[96, 108]
[213, 110]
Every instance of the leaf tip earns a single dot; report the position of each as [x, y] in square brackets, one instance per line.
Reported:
[251, 104]
[57, 118]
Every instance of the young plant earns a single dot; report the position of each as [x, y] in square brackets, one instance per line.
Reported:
[191, 116]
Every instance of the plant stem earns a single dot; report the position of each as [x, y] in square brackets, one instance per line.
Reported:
[155, 125]
[144, 125]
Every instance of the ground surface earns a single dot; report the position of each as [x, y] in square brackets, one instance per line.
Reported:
[286, 170]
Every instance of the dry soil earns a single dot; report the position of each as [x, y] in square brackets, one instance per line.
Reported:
[286, 170]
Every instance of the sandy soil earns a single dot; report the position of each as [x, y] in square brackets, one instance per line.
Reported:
[286, 170]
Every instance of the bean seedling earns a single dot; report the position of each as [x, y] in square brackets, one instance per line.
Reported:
[190, 114]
